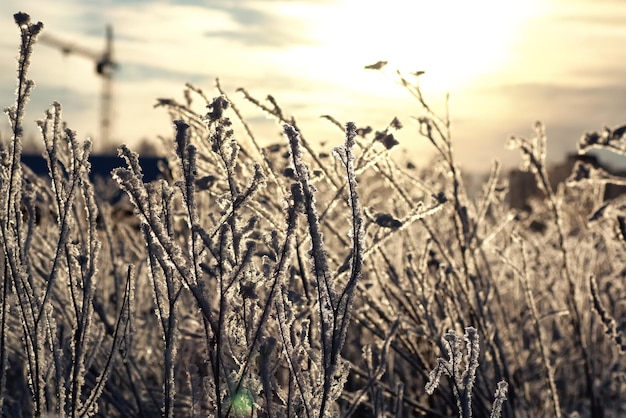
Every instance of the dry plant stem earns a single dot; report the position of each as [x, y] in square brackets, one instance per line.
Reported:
[325, 290]
[334, 309]
[187, 157]
[84, 309]
[119, 333]
[304, 142]
[29, 34]
[64, 197]
[492, 183]
[12, 189]
[411, 356]
[297, 377]
[344, 303]
[170, 349]
[266, 162]
[610, 325]
[575, 315]
[277, 278]
[464, 232]
[415, 215]
[460, 216]
[130, 181]
[556, 407]
[461, 220]
[177, 111]
[277, 113]
[462, 381]
[426, 212]
[380, 371]
[3, 337]
[408, 401]
[431, 123]
[168, 318]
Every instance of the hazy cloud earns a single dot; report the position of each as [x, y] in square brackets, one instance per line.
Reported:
[497, 112]
[143, 72]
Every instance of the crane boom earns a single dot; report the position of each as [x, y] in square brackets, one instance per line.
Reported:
[69, 47]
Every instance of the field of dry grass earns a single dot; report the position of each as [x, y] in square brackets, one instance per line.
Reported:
[284, 280]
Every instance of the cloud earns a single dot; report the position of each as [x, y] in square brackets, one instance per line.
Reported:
[134, 72]
[260, 24]
[484, 118]
[259, 36]
[578, 105]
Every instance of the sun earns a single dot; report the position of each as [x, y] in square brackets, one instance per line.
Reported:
[453, 41]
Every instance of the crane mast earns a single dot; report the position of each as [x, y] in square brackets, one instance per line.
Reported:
[105, 66]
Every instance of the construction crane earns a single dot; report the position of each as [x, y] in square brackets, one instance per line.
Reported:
[105, 66]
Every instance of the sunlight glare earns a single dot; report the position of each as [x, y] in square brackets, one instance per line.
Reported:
[454, 41]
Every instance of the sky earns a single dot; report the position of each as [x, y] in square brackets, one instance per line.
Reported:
[505, 65]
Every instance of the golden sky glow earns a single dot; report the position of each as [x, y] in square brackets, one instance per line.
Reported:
[452, 40]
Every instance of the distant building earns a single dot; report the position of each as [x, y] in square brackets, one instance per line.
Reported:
[523, 186]
[101, 165]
